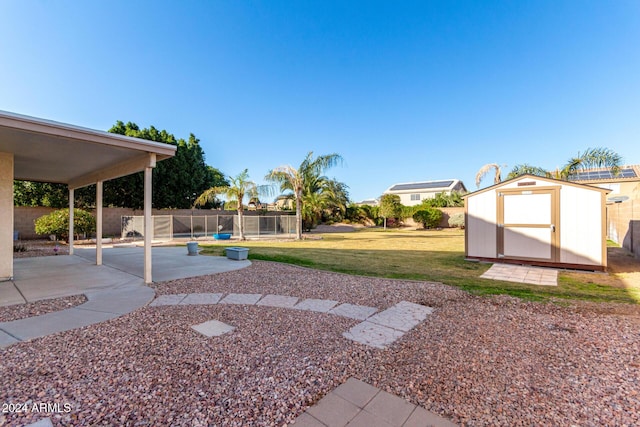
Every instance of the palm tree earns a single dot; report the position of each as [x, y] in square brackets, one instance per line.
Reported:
[296, 180]
[525, 169]
[590, 158]
[238, 187]
[485, 169]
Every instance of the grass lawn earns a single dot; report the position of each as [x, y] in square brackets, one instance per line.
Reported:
[431, 255]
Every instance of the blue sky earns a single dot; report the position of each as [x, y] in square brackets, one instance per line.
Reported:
[404, 91]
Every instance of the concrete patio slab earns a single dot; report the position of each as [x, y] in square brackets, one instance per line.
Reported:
[118, 300]
[51, 323]
[6, 339]
[356, 403]
[9, 294]
[168, 263]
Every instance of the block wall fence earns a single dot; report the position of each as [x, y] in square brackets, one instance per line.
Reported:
[623, 225]
[24, 217]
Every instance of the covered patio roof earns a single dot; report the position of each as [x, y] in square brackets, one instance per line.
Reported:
[48, 151]
[35, 149]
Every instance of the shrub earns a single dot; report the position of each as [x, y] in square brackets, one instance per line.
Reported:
[57, 223]
[457, 220]
[429, 217]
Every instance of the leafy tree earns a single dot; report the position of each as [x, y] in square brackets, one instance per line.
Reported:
[429, 217]
[177, 181]
[238, 187]
[306, 179]
[57, 223]
[390, 207]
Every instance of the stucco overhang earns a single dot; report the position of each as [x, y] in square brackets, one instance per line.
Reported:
[49, 151]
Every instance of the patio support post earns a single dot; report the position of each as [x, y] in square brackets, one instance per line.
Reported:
[72, 203]
[6, 215]
[99, 188]
[148, 226]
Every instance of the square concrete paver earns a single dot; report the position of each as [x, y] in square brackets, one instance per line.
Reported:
[334, 411]
[358, 312]
[402, 316]
[249, 299]
[201, 299]
[213, 328]
[319, 305]
[390, 408]
[373, 335]
[174, 299]
[356, 403]
[357, 392]
[278, 301]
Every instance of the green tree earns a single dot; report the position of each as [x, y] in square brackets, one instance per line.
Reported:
[428, 217]
[390, 207]
[238, 187]
[57, 223]
[306, 178]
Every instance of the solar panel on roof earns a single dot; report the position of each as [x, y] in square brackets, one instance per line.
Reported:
[421, 185]
[603, 174]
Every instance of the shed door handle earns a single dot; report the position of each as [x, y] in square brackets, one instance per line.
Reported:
[553, 228]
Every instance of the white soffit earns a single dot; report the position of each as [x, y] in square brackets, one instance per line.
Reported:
[48, 151]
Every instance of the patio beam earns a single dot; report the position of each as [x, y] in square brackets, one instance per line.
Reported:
[122, 169]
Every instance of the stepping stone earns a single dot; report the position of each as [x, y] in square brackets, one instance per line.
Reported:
[168, 300]
[319, 305]
[45, 422]
[402, 316]
[198, 299]
[213, 328]
[278, 301]
[373, 335]
[249, 299]
[358, 312]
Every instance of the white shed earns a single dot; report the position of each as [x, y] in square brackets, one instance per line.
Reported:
[539, 221]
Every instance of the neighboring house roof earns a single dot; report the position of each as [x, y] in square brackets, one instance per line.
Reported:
[626, 173]
[425, 186]
[370, 202]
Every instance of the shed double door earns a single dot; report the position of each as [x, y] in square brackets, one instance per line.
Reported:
[528, 224]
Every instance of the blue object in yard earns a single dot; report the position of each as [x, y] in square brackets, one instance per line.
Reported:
[192, 248]
[16, 235]
[222, 236]
[237, 254]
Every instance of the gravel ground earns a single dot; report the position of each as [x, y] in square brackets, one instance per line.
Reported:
[22, 311]
[479, 361]
[36, 248]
